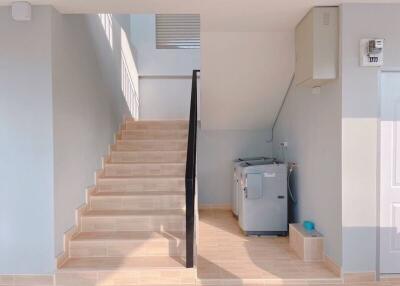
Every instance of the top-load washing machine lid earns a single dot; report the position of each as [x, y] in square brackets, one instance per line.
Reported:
[267, 161]
[238, 160]
[259, 167]
[239, 164]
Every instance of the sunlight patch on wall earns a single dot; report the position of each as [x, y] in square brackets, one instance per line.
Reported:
[107, 23]
[129, 76]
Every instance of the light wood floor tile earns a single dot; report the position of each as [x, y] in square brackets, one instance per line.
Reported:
[6, 280]
[33, 280]
[225, 253]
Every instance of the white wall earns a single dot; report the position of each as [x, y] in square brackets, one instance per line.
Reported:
[244, 77]
[360, 115]
[26, 144]
[165, 83]
[311, 124]
[84, 118]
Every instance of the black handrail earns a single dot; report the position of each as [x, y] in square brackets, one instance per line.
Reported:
[190, 175]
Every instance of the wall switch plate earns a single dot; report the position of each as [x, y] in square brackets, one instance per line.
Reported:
[369, 55]
[21, 11]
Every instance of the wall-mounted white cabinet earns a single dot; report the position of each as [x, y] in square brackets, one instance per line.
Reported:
[317, 37]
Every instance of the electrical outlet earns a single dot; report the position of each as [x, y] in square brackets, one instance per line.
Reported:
[284, 144]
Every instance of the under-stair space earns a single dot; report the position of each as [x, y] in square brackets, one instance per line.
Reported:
[228, 257]
[132, 229]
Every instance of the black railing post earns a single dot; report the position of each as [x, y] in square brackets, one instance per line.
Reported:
[190, 175]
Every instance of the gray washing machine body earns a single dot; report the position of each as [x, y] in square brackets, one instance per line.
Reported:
[237, 168]
[263, 200]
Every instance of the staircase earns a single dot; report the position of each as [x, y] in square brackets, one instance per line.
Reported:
[132, 229]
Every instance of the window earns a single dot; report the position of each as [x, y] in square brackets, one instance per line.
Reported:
[177, 31]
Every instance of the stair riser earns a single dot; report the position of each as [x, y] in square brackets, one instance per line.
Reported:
[134, 223]
[127, 248]
[141, 185]
[150, 146]
[153, 135]
[138, 170]
[137, 203]
[164, 125]
[148, 157]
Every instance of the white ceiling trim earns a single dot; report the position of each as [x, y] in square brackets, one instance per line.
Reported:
[217, 15]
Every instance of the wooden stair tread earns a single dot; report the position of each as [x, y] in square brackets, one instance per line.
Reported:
[122, 263]
[160, 130]
[157, 124]
[140, 177]
[149, 145]
[129, 235]
[161, 140]
[132, 120]
[145, 163]
[176, 140]
[108, 213]
[149, 151]
[138, 193]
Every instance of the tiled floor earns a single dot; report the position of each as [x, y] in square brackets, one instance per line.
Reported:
[225, 253]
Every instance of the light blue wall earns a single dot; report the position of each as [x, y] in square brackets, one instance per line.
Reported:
[163, 94]
[152, 61]
[58, 115]
[216, 151]
[339, 170]
[311, 124]
[87, 110]
[26, 144]
[360, 135]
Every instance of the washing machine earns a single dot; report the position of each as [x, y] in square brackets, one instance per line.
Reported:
[263, 199]
[236, 177]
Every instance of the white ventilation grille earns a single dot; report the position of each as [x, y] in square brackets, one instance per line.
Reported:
[178, 31]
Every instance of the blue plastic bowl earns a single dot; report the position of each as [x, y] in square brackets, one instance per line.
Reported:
[308, 225]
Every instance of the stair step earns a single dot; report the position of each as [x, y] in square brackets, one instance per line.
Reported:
[133, 220]
[144, 169]
[153, 134]
[162, 125]
[141, 184]
[137, 200]
[119, 213]
[129, 235]
[128, 244]
[148, 157]
[122, 263]
[153, 271]
[150, 145]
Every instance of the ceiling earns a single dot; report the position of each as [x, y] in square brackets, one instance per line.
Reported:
[254, 15]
